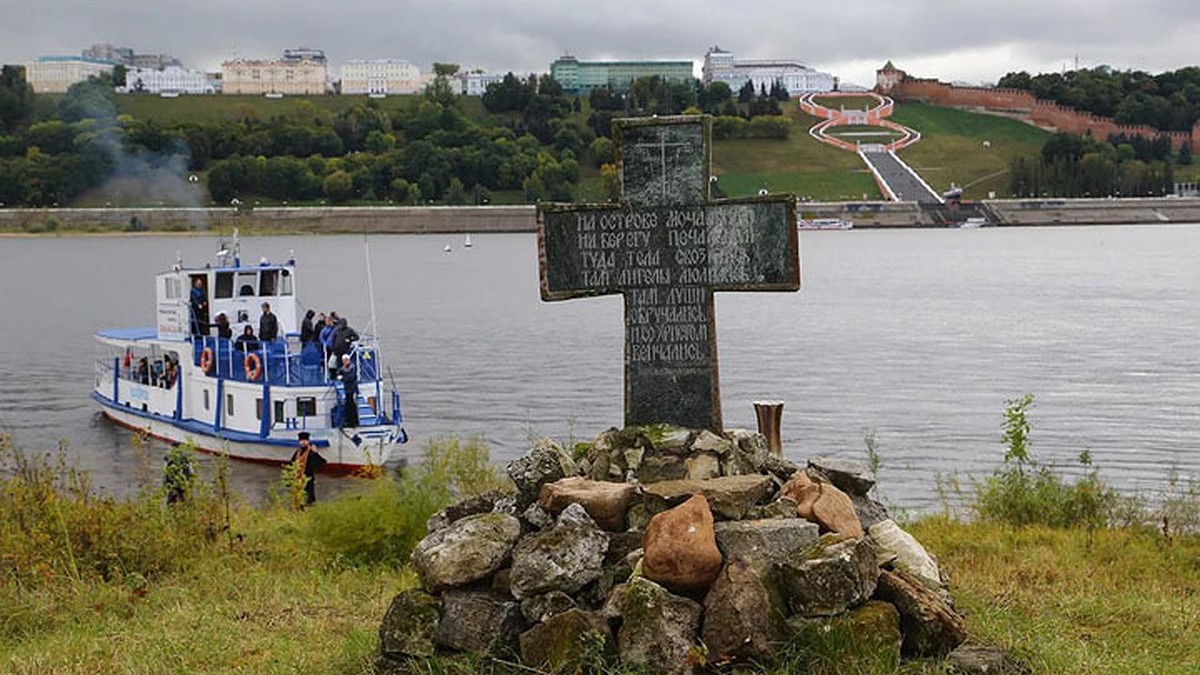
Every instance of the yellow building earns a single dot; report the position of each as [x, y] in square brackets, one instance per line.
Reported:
[55, 74]
[304, 77]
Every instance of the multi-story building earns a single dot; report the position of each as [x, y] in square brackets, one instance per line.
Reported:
[581, 77]
[155, 61]
[304, 77]
[380, 77]
[169, 80]
[797, 78]
[475, 83]
[55, 74]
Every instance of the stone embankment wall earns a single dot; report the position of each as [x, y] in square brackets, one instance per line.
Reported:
[385, 219]
[440, 220]
[1042, 113]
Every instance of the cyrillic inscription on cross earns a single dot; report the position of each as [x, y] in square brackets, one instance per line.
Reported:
[666, 247]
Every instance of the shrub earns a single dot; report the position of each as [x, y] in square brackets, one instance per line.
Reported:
[1026, 493]
[381, 523]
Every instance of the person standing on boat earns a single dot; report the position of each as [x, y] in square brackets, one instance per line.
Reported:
[348, 375]
[199, 302]
[343, 338]
[326, 338]
[307, 462]
[224, 330]
[307, 332]
[268, 325]
[246, 342]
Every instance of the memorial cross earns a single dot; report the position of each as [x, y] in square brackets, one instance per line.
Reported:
[666, 247]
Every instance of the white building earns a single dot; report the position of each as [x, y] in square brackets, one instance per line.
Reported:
[170, 80]
[475, 83]
[797, 78]
[305, 77]
[55, 74]
[380, 76]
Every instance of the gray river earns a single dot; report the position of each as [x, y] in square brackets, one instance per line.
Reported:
[918, 336]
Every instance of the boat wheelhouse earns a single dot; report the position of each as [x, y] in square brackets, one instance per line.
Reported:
[180, 381]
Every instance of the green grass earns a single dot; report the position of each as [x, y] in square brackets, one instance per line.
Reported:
[851, 129]
[847, 102]
[801, 164]
[951, 149]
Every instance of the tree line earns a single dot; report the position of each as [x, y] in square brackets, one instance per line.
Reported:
[532, 140]
[1169, 101]
[1081, 166]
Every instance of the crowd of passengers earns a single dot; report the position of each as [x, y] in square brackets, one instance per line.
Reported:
[162, 373]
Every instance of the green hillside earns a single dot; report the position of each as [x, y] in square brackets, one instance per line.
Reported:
[208, 108]
[952, 147]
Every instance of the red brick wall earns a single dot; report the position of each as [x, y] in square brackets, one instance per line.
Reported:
[1042, 113]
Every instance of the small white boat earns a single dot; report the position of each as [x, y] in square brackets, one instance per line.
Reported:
[273, 94]
[825, 224]
[467, 243]
[972, 223]
[177, 382]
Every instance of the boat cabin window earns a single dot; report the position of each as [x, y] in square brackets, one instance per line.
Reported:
[285, 282]
[246, 281]
[206, 399]
[306, 406]
[171, 288]
[224, 285]
[268, 281]
[279, 410]
[258, 409]
[229, 405]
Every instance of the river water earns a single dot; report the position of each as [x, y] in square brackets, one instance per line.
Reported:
[918, 336]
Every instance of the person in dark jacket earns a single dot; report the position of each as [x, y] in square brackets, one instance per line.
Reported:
[224, 330]
[199, 305]
[348, 375]
[307, 332]
[307, 463]
[268, 325]
[343, 338]
[246, 342]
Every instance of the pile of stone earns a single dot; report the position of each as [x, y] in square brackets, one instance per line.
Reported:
[666, 548]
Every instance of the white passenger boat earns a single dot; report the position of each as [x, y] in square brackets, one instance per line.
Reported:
[177, 383]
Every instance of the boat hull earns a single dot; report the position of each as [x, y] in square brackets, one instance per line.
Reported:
[376, 445]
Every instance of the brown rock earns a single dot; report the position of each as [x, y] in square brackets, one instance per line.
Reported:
[823, 504]
[930, 625]
[742, 620]
[681, 547]
[604, 502]
[730, 497]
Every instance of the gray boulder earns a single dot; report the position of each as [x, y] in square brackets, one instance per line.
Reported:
[765, 543]
[409, 627]
[930, 625]
[538, 608]
[906, 552]
[545, 462]
[564, 641]
[707, 441]
[847, 475]
[565, 557]
[869, 511]
[480, 503]
[479, 622]
[974, 659]
[467, 550]
[833, 575]
[658, 629]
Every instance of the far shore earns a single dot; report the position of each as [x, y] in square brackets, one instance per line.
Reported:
[274, 220]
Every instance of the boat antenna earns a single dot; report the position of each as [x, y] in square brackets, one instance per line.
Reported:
[371, 296]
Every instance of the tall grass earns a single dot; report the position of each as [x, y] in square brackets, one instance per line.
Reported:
[382, 522]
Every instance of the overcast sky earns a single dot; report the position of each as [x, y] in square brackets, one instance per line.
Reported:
[954, 40]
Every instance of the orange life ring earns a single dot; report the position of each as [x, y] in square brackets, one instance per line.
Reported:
[253, 367]
[206, 360]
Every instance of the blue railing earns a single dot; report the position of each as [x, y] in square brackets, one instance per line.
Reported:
[279, 365]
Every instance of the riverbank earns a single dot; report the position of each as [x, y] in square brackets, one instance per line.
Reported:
[211, 585]
[480, 219]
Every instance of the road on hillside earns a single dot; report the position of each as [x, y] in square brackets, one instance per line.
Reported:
[900, 179]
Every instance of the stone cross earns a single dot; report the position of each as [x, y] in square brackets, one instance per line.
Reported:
[666, 247]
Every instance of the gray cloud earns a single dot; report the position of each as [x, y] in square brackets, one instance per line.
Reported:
[977, 41]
